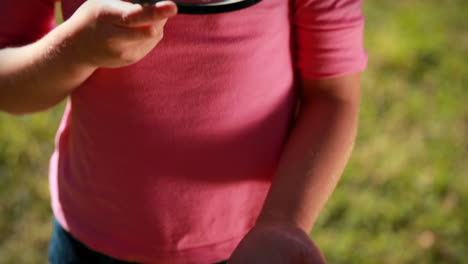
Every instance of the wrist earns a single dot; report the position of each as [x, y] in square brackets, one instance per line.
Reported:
[62, 48]
[276, 219]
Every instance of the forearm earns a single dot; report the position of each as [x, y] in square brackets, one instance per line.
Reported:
[39, 75]
[313, 160]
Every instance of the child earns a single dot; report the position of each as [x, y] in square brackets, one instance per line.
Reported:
[184, 149]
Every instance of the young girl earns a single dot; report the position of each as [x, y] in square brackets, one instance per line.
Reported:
[185, 148]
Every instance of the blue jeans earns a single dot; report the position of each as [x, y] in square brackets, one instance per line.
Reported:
[64, 249]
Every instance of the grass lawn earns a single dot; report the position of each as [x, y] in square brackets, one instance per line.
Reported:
[404, 195]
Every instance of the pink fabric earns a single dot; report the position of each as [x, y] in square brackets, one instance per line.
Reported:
[23, 22]
[169, 160]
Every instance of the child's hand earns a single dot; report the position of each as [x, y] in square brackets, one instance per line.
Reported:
[114, 33]
[276, 244]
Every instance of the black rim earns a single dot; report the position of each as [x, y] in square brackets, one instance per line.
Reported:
[206, 8]
[225, 6]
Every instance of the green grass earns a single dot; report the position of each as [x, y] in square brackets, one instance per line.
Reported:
[404, 195]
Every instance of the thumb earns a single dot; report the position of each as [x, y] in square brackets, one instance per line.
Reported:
[135, 15]
[167, 9]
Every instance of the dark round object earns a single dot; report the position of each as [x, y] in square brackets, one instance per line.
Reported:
[205, 6]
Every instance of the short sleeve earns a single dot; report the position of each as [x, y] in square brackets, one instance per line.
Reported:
[23, 22]
[328, 38]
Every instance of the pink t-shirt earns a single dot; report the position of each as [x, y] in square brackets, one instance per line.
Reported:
[169, 160]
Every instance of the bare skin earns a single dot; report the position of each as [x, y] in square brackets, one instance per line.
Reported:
[101, 33]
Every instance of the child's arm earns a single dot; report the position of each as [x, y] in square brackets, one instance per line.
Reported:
[101, 33]
[316, 152]
[311, 164]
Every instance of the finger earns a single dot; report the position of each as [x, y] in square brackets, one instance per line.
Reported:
[118, 8]
[148, 15]
[169, 8]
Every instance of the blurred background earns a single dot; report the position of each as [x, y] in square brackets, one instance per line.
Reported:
[404, 195]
